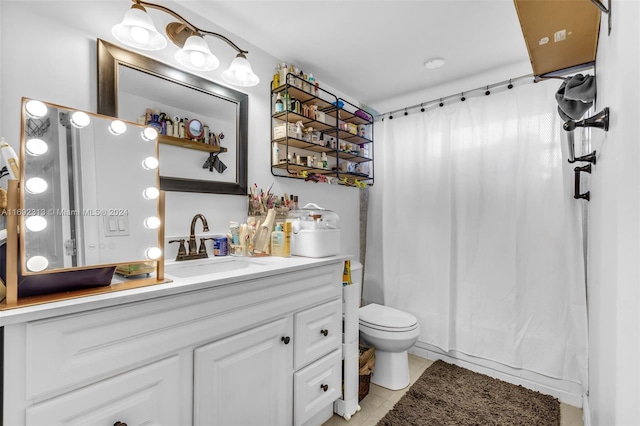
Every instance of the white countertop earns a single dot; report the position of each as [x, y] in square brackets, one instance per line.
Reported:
[186, 276]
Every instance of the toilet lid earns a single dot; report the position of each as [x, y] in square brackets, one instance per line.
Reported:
[379, 316]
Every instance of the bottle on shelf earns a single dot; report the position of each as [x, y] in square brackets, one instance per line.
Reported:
[276, 78]
[312, 84]
[324, 160]
[283, 73]
[275, 154]
[279, 104]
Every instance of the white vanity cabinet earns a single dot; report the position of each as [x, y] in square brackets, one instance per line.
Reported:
[264, 350]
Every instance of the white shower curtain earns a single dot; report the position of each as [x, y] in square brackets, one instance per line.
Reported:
[480, 235]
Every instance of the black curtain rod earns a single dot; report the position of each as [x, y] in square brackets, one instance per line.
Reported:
[556, 74]
[458, 95]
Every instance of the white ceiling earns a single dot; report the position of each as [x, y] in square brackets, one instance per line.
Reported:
[375, 50]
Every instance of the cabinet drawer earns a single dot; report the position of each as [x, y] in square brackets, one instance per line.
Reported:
[146, 395]
[317, 331]
[316, 386]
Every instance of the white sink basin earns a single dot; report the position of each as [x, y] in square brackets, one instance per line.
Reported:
[192, 268]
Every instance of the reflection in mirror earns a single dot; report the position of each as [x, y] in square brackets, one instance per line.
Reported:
[90, 190]
[195, 129]
[129, 84]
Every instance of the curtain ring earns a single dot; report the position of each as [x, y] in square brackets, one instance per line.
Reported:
[441, 103]
[487, 93]
[510, 86]
[421, 107]
[405, 112]
[463, 98]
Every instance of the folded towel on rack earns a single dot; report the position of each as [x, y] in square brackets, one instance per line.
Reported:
[575, 96]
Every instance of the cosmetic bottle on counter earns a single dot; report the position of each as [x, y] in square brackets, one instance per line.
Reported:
[287, 239]
[277, 242]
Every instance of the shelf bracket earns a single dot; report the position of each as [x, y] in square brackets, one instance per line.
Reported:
[603, 9]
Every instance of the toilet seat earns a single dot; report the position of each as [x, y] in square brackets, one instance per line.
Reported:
[385, 318]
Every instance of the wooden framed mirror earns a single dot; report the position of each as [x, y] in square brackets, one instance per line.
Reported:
[130, 83]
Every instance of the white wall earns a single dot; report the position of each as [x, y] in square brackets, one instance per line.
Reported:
[49, 53]
[614, 251]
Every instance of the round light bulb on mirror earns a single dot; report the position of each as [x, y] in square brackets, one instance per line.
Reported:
[151, 193]
[153, 253]
[36, 185]
[36, 147]
[117, 127]
[36, 109]
[80, 119]
[35, 223]
[37, 263]
[150, 163]
[149, 134]
[152, 222]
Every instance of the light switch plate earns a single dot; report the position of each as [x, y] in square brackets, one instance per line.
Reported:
[116, 226]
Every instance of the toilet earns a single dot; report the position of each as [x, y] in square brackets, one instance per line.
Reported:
[392, 333]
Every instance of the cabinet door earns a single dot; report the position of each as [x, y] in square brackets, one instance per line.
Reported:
[246, 379]
[148, 395]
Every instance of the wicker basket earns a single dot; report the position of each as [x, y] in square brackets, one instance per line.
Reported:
[367, 364]
[363, 387]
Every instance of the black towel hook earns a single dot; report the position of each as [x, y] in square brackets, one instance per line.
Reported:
[600, 121]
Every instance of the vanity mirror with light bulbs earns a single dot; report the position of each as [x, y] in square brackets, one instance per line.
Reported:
[89, 199]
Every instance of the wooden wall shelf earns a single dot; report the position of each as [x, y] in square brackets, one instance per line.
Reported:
[186, 143]
[559, 34]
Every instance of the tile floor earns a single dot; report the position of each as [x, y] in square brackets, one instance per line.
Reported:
[380, 400]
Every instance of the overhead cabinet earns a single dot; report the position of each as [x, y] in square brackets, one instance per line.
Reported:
[316, 135]
[559, 34]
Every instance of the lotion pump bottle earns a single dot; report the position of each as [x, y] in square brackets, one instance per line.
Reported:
[277, 242]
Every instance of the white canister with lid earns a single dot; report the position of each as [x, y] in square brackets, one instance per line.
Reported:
[315, 232]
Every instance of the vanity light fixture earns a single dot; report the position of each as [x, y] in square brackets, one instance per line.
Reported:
[149, 134]
[150, 163]
[153, 253]
[35, 223]
[117, 127]
[137, 30]
[151, 193]
[80, 119]
[36, 185]
[152, 222]
[36, 109]
[36, 147]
